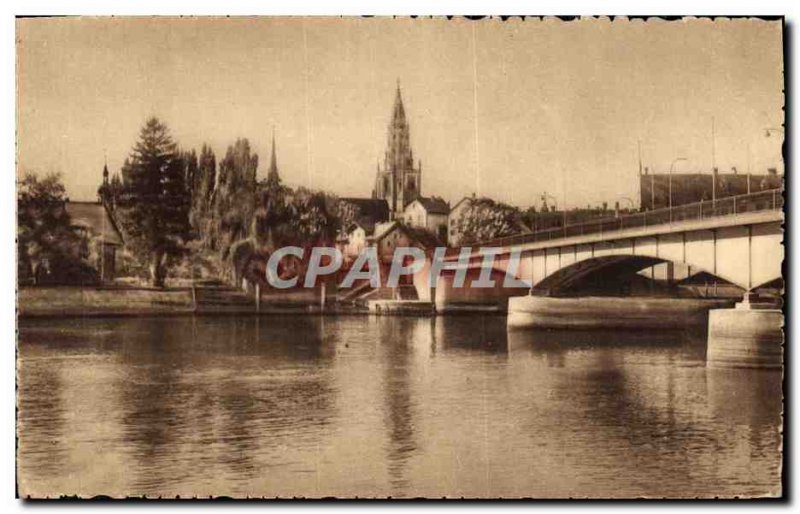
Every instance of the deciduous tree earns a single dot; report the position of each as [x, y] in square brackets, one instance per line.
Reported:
[235, 196]
[202, 194]
[486, 219]
[47, 244]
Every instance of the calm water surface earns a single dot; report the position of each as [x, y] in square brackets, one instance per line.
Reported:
[452, 406]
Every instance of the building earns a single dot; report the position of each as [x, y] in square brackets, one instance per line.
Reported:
[94, 221]
[353, 241]
[398, 181]
[453, 229]
[393, 234]
[366, 213]
[429, 213]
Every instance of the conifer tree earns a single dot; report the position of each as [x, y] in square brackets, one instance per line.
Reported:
[155, 200]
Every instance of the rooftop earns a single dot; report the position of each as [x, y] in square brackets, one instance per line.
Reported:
[434, 205]
[375, 208]
[94, 217]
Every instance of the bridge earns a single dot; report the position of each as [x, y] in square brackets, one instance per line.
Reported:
[738, 239]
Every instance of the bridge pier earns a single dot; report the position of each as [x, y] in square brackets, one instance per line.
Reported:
[747, 336]
[607, 312]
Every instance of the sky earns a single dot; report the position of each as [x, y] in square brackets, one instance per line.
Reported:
[506, 109]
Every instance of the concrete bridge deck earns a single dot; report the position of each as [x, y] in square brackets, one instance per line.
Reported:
[738, 239]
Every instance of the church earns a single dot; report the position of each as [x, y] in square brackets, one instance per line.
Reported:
[397, 203]
[398, 181]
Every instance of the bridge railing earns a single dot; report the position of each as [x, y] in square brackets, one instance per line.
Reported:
[769, 200]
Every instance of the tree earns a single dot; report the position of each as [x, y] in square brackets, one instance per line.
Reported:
[202, 194]
[235, 197]
[111, 192]
[189, 163]
[485, 219]
[155, 201]
[298, 217]
[346, 212]
[312, 218]
[271, 213]
[47, 243]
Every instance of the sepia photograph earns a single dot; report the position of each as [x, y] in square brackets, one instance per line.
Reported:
[309, 257]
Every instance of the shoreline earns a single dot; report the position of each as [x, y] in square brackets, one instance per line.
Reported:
[84, 303]
[129, 313]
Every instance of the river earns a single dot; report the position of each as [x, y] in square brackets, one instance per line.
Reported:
[385, 406]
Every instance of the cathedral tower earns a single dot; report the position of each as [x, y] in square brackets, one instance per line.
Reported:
[398, 181]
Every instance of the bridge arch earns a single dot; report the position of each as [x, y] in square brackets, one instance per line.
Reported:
[744, 255]
[612, 268]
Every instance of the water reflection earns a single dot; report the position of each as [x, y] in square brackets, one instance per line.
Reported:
[396, 360]
[455, 334]
[39, 396]
[388, 406]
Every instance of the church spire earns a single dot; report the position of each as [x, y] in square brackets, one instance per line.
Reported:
[399, 114]
[104, 191]
[398, 182]
[272, 174]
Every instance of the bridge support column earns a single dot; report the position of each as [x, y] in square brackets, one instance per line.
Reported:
[535, 311]
[748, 336]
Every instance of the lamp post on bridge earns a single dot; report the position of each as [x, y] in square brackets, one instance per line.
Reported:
[552, 208]
[671, 167]
[773, 130]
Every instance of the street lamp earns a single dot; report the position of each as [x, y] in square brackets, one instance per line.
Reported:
[671, 167]
[770, 130]
[545, 196]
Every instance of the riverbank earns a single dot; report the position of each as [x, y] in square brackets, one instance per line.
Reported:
[56, 302]
[86, 301]
[138, 301]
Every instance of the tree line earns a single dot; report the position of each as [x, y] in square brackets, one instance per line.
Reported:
[175, 204]
[177, 208]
